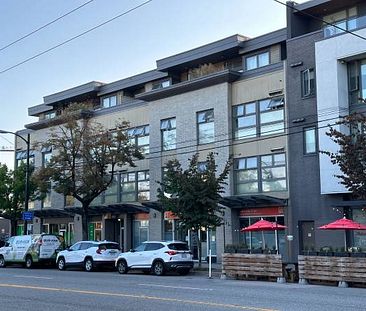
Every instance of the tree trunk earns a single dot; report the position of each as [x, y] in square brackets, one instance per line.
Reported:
[13, 227]
[85, 222]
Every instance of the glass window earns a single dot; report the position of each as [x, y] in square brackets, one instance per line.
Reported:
[128, 186]
[168, 134]
[50, 115]
[307, 82]
[206, 129]
[270, 175]
[272, 116]
[245, 121]
[111, 194]
[110, 101]
[46, 158]
[140, 137]
[256, 61]
[309, 140]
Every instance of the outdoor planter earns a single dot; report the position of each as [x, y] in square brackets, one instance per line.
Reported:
[327, 268]
[341, 254]
[252, 265]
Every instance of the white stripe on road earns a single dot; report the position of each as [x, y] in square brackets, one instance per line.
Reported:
[176, 287]
[33, 277]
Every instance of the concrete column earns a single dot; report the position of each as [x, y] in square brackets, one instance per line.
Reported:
[78, 228]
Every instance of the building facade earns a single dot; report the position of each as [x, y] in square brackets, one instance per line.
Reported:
[264, 101]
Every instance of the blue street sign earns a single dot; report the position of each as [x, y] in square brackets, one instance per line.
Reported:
[27, 216]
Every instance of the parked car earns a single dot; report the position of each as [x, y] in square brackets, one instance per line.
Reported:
[157, 257]
[88, 255]
[30, 249]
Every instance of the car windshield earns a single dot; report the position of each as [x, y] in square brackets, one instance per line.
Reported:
[109, 246]
[178, 246]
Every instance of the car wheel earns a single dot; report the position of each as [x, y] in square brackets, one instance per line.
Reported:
[2, 262]
[28, 262]
[88, 265]
[158, 268]
[61, 264]
[183, 271]
[122, 267]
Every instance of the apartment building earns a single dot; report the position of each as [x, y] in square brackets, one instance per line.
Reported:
[325, 73]
[228, 97]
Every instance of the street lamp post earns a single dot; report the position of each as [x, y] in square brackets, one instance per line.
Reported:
[26, 192]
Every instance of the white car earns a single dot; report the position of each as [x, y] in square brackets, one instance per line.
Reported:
[30, 249]
[88, 255]
[157, 257]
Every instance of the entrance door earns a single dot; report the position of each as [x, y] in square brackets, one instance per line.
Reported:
[307, 237]
[113, 230]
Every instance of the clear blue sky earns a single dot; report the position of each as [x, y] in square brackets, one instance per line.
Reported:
[127, 46]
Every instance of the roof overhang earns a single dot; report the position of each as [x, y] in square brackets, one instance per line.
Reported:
[52, 213]
[351, 204]
[252, 201]
[118, 208]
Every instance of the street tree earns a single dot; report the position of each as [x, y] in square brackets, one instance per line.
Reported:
[193, 194]
[85, 157]
[12, 193]
[350, 135]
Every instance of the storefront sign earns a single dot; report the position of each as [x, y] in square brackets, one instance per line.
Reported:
[141, 216]
[263, 211]
[170, 215]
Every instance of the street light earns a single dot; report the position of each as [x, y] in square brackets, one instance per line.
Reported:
[27, 141]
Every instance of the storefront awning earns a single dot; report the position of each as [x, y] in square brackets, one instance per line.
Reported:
[121, 208]
[154, 205]
[52, 213]
[252, 201]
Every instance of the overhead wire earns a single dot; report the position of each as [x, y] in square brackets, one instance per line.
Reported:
[44, 26]
[75, 37]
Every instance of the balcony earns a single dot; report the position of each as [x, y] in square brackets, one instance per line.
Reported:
[350, 24]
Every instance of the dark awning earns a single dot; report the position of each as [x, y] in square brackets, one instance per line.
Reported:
[52, 213]
[119, 208]
[252, 201]
[154, 205]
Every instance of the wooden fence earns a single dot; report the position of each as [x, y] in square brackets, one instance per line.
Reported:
[252, 265]
[326, 268]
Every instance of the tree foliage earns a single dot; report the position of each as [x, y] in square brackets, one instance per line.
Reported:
[12, 193]
[351, 156]
[85, 157]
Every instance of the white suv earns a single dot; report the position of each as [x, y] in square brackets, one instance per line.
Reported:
[88, 255]
[157, 257]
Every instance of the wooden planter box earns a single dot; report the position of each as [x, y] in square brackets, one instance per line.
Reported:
[325, 268]
[252, 265]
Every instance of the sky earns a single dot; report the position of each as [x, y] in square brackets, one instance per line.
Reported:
[127, 46]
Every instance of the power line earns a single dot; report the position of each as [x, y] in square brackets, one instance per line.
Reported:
[44, 26]
[10, 142]
[321, 20]
[75, 37]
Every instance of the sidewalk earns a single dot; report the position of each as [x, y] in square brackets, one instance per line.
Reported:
[203, 269]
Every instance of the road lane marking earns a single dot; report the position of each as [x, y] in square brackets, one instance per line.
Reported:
[177, 287]
[194, 302]
[33, 277]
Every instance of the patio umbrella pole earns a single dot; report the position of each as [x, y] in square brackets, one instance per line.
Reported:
[345, 240]
[276, 238]
[264, 242]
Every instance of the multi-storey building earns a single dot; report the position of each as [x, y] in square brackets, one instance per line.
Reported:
[324, 80]
[265, 101]
[227, 97]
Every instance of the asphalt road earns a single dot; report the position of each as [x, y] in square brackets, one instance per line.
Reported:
[50, 289]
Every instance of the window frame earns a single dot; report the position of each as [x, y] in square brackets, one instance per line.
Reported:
[256, 55]
[308, 90]
[134, 135]
[110, 105]
[166, 129]
[306, 152]
[205, 122]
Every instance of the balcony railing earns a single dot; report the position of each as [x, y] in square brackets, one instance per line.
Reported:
[347, 24]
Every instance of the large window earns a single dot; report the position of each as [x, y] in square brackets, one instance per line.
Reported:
[264, 117]
[256, 61]
[309, 140]
[206, 127]
[110, 101]
[111, 194]
[135, 186]
[260, 174]
[21, 157]
[160, 84]
[307, 82]
[168, 134]
[46, 156]
[139, 136]
[341, 21]
[357, 81]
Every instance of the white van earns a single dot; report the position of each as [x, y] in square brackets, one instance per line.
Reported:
[30, 249]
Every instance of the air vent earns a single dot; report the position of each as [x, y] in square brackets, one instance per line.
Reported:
[297, 64]
[275, 93]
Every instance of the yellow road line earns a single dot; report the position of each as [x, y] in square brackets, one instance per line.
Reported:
[195, 302]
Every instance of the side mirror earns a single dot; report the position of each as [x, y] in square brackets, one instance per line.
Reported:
[69, 249]
[132, 250]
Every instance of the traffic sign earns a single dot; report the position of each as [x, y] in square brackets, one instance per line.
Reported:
[27, 216]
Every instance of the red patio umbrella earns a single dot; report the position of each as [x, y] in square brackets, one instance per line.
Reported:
[264, 225]
[343, 224]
